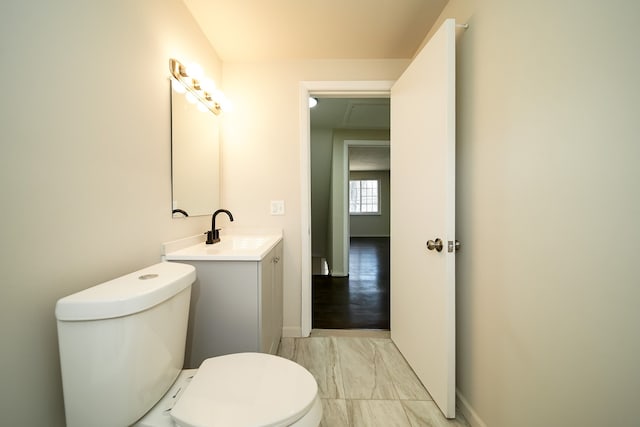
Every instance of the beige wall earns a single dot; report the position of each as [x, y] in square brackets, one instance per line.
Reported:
[85, 168]
[320, 152]
[548, 208]
[261, 148]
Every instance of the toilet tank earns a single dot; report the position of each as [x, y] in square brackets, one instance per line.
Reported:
[122, 344]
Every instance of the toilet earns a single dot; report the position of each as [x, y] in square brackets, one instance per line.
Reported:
[122, 346]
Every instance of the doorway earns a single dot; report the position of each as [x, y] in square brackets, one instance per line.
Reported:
[350, 185]
[372, 88]
[423, 119]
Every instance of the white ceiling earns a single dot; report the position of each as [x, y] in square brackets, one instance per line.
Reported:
[350, 113]
[356, 113]
[259, 30]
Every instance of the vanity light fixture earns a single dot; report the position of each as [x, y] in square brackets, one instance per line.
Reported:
[313, 102]
[192, 80]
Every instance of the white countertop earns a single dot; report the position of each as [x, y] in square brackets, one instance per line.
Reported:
[233, 247]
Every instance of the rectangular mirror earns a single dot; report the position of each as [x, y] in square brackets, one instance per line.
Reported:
[195, 158]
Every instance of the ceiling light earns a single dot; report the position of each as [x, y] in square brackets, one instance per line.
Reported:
[197, 87]
[195, 71]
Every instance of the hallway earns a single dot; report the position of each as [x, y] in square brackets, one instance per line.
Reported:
[360, 301]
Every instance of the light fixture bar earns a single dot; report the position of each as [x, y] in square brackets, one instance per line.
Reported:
[179, 73]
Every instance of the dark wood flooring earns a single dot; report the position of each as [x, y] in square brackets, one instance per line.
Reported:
[360, 301]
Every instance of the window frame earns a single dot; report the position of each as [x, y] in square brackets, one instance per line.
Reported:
[378, 201]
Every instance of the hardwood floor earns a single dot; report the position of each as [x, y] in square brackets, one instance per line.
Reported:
[360, 301]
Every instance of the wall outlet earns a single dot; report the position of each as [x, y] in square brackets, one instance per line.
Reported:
[277, 207]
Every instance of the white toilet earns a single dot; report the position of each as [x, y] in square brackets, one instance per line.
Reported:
[122, 349]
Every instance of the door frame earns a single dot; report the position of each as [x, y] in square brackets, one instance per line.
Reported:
[341, 231]
[336, 89]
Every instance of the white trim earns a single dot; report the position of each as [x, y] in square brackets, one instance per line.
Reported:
[378, 211]
[467, 411]
[372, 88]
[305, 211]
[348, 89]
[291, 332]
[339, 273]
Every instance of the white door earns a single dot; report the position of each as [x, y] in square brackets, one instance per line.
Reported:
[423, 209]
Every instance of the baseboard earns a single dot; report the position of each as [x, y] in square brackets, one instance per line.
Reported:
[467, 411]
[291, 332]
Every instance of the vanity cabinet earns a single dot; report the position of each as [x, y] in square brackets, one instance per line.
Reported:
[236, 306]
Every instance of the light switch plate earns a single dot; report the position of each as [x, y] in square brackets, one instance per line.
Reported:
[277, 207]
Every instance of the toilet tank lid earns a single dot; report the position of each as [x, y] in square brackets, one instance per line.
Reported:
[128, 294]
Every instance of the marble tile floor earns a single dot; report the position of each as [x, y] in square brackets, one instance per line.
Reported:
[364, 381]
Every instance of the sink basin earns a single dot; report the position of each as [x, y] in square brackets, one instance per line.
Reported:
[239, 243]
[229, 248]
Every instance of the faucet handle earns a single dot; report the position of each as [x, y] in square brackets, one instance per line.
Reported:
[210, 238]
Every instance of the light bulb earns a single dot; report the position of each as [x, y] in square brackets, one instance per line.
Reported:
[208, 85]
[202, 107]
[195, 71]
[224, 103]
[313, 102]
[177, 86]
[226, 106]
[217, 95]
[191, 98]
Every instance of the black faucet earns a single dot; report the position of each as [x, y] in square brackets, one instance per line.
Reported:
[213, 236]
[181, 211]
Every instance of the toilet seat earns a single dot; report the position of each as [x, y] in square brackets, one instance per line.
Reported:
[246, 389]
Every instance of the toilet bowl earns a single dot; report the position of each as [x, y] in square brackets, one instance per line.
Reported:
[122, 347]
[244, 389]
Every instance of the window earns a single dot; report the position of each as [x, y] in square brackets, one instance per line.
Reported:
[364, 197]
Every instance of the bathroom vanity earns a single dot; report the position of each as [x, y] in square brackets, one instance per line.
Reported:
[236, 300]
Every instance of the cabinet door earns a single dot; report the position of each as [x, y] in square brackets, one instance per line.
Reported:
[266, 304]
[271, 304]
[278, 303]
[224, 313]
